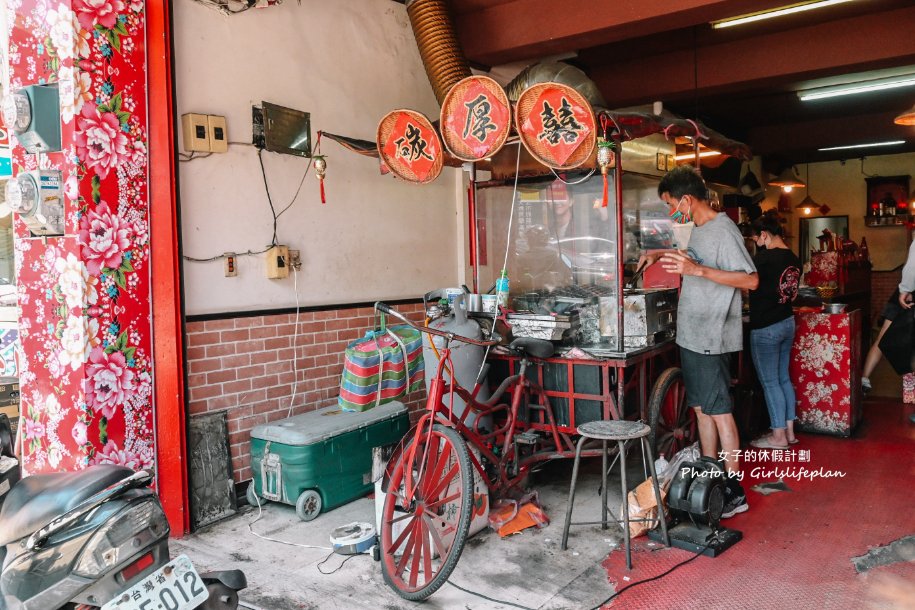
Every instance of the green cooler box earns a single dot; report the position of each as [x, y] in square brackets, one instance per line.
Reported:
[322, 459]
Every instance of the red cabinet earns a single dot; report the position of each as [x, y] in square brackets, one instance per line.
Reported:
[825, 371]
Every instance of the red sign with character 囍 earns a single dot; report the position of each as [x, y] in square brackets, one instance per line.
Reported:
[557, 125]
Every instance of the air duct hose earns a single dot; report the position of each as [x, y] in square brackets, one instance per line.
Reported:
[556, 72]
[438, 45]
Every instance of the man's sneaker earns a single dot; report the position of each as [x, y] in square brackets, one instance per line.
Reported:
[865, 385]
[734, 505]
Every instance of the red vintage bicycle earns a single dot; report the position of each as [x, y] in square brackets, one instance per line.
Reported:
[429, 480]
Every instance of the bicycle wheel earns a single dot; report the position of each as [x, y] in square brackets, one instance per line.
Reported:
[422, 537]
[673, 424]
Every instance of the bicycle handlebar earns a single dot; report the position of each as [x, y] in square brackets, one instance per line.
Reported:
[387, 309]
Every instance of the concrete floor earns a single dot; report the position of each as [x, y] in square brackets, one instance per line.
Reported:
[527, 569]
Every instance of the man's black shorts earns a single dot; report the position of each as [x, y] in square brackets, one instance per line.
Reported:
[708, 381]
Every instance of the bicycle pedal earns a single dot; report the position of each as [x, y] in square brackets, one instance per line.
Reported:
[528, 437]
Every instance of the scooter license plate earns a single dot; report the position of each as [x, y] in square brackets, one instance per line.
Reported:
[174, 586]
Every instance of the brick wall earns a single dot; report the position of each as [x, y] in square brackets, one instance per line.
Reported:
[248, 366]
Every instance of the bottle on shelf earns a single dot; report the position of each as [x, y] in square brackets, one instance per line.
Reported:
[502, 289]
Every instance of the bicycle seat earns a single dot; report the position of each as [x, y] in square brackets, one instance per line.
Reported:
[538, 348]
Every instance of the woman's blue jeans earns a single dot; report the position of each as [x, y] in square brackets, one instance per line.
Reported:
[771, 350]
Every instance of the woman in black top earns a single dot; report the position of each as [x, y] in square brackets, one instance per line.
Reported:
[772, 328]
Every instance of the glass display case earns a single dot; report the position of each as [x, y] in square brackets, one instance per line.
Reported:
[562, 245]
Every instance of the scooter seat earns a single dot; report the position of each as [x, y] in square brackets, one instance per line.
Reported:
[37, 500]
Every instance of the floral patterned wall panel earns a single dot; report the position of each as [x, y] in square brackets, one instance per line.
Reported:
[826, 373]
[84, 298]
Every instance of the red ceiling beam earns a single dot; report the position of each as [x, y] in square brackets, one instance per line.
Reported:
[842, 46]
[525, 29]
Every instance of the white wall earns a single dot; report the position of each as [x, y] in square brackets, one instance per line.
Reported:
[348, 63]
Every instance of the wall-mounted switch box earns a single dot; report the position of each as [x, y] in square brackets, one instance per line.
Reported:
[278, 262]
[231, 261]
[196, 132]
[219, 135]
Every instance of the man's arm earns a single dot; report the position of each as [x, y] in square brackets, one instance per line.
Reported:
[678, 263]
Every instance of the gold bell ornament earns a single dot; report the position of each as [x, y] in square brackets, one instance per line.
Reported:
[320, 164]
[605, 162]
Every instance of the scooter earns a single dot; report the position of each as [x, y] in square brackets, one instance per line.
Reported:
[97, 538]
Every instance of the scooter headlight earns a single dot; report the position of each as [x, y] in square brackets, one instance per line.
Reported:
[122, 537]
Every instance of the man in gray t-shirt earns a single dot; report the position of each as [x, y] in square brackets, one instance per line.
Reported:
[715, 268]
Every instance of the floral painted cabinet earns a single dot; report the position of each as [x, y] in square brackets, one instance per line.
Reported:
[84, 297]
[826, 372]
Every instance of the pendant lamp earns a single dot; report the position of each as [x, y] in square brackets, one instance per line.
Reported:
[787, 180]
[808, 205]
[906, 118]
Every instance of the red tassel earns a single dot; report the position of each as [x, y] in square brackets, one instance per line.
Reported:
[323, 198]
[606, 188]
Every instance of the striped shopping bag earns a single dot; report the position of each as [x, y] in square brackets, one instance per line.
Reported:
[381, 367]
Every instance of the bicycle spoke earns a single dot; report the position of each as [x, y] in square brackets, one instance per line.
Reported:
[408, 529]
[444, 500]
[400, 518]
[451, 525]
[427, 557]
[417, 551]
[444, 483]
[432, 474]
[436, 540]
[411, 544]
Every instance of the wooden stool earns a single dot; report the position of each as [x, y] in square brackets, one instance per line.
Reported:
[621, 431]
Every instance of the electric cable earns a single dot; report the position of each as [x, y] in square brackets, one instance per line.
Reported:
[323, 561]
[219, 256]
[295, 343]
[491, 599]
[260, 512]
[561, 179]
[639, 582]
[260, 160]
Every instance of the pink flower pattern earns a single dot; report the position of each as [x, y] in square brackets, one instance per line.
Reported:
[825, 373]
[100, 142]
[104, 238]
[109, 381]
[104, 406]
[97, 12]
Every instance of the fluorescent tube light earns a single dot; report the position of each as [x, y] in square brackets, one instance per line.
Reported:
[855, 88]
[871, 145]
[775, 12]
[704, 153]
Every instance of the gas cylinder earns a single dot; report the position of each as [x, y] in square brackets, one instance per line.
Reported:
[466, 359]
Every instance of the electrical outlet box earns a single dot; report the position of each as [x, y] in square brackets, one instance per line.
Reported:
[295, 260]
[231, 261]
[278, 262]
[196, 132]
[219, 135]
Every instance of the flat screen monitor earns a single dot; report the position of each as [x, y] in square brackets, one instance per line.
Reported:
[286, 130]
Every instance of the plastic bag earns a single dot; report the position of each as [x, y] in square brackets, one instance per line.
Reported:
[687, 454]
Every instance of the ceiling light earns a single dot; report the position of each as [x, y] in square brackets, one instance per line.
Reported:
[867, 86]
[872, 144]
[774, 12]
[787, 180]
[704, 153]
[906, 118]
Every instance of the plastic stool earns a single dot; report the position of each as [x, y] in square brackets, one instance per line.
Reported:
[621, 431]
